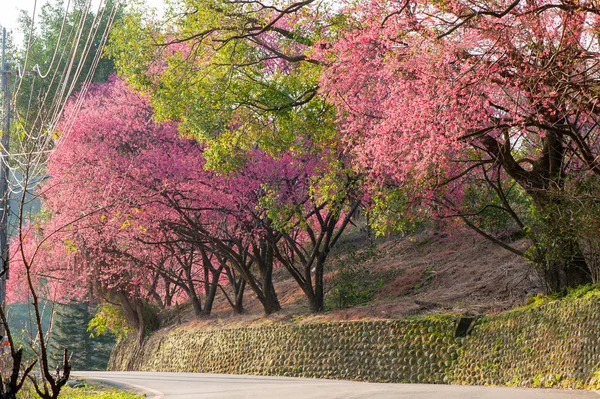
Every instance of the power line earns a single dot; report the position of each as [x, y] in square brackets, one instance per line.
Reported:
[36, 68]
[48, 116]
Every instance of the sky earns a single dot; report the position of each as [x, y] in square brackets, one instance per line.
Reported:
[9, 10]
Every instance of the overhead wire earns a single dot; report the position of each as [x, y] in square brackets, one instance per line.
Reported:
[64, 53]
[86, 84]
[60, 99]
[39, 119]
[36, 68]
[88, 80]
[39, 145]
[73, 57]
[29, 44]
[84, 87]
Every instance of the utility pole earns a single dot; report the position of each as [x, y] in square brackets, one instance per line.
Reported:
[4, 193]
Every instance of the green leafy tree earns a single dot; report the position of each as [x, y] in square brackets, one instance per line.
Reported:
[238, 75]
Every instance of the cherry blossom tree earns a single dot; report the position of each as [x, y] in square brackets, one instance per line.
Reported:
[447, 96]
[300, 207]
[142, 189]
[104, 134]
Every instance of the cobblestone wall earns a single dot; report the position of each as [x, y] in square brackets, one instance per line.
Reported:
[553, 345]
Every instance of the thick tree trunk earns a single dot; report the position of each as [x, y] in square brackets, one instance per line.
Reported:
[557, 253]
[190, 288]
[271, 302]
[558, 256]
[168, 302]
[239, 287]
[141, 331]
[133, 314]
[264, 257]
[196, 303]
[561, 275]
[315, 304]
[318, 303]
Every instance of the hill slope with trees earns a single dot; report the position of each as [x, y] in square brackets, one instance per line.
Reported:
[251, 158]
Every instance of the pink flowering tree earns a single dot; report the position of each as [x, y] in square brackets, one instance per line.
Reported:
[303, 205]
[457, 96]
[93, 192]
[156, 222]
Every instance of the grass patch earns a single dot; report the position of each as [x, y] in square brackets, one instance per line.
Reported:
[582, 292]
[89, 391]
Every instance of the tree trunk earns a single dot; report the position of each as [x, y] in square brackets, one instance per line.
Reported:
[238, 307]
[196, 303]
[271, 303]
[191, 290]
[557, 253]
[211, 292]
[318, 304]
[139, 308]
[562, 272]
[133, 312]
[239, 287]
[264, 256]
[561, 275]
[168, 302]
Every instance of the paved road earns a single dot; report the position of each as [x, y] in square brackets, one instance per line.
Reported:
[217, 386]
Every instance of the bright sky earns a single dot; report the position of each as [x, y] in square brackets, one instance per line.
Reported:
[9, 10]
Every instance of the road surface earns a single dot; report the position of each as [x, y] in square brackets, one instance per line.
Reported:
[218, 386]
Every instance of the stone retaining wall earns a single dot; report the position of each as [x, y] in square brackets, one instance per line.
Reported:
[553, 345]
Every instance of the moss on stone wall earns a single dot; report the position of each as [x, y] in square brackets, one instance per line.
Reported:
[556, 344]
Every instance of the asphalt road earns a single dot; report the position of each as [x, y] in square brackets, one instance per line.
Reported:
[218, 386]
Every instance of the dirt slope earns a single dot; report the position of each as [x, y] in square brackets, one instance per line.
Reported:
[425, 273]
